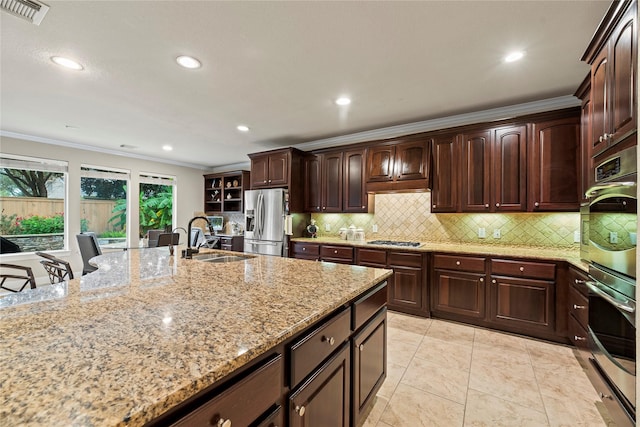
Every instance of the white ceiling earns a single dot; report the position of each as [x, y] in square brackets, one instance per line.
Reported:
[277, 67]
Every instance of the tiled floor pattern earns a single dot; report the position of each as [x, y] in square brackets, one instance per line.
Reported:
[446, 374]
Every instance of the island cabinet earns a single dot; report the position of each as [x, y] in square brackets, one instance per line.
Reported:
[282, 168]
[398, 165]
[459, 286]
[612, 54]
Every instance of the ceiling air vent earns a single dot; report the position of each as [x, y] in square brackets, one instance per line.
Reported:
[30, 10]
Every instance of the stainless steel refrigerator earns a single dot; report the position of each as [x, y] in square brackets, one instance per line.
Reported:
[266, 216]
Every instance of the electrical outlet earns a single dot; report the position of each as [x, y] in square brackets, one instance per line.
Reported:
[482, 233]
[496, 233]
[374, 228]
[576, 236]
[327, 227]
[613, 237]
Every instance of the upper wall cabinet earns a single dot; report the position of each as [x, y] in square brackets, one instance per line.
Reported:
[553, 165]
[280, 169]
[397, 166]
[444, 183]
[612, 55]
[224, 192]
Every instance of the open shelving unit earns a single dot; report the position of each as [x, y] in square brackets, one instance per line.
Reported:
[224, 192]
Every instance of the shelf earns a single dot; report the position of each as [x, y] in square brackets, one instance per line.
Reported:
[235, 203]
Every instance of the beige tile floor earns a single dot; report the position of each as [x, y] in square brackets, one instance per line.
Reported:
[447, 374]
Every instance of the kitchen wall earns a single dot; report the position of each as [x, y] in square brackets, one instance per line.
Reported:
[407, 216]
[189, 194]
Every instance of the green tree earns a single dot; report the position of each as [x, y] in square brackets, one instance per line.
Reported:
[103, 189]
[156, 208]
[27, 183]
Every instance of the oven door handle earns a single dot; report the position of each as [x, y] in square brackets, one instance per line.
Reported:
[622, 305]
[600, 187]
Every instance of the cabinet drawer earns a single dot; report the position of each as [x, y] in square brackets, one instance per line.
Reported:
[368, 305]
[306, 248]
[579, 306]
[375, 257]
[226, 247]
[405, 259]
[310, 350]
[226, 240]
[336, 252]
[459, 263]
[536, 270]
[577, 334]
[243, 402]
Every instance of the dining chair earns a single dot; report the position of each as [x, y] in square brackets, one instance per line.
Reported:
[153, 237]
[58, 269]
[168, 239]
[89, 247]
[16, 273]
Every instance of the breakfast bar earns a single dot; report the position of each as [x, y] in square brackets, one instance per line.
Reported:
[149, 331]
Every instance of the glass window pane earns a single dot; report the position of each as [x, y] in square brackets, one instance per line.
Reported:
[156, 207]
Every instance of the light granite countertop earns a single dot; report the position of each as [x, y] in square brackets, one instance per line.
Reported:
[570, 255]
[122, 345]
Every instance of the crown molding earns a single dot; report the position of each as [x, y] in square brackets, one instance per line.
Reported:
[97, 149]
[232, 167]
[490, 115]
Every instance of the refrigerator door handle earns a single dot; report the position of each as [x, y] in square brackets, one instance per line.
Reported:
[258, 226]
[262, 214]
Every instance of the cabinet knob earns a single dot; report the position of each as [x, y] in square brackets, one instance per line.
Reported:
[486, 205]
[536, 204]
[579, 307]
[329, 340]
[577, 338]
[497, 205]
[608, 135]
[521, 269]
[434, 206]
[335, 252]
[579, 282]
[224, 423]
[300, 410]
[324, 208]
[269, 180]
[481, 280]
[494, 281]
[600, 138]
[457, 262]
[304, 249]
[363, 207]
[361, 347]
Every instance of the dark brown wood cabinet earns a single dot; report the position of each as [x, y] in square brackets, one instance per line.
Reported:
[310, 251]
[586, 176]
[398, 165]
[355, 197]
[232, 243]
[336, 253]
[475, 183]
[282, 168]
[313, 183]
[407, 287]
[553, 166]
[612, 55]
[332, 182]
[578, 302]
[458, 286]
[224, 192]
[445, 182]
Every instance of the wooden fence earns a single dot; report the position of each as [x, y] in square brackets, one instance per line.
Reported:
[96, 212]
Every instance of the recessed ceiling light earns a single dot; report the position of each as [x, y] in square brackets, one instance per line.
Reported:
[66, 62]
[188, 62]
[167, 147]
[242, 128]
[343, 100]
[513, 56]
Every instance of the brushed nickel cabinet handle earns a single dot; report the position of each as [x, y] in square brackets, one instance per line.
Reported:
[577, 338]
[300, 410]
[361, 347]
[494, 281]
[457, 262]
[224, 423]
[481, 280]
[497, 205]
[329, 340]
[486, 205]
[579, 307]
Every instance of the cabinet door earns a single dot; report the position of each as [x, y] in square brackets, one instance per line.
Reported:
[599, 106]
[459, 293]
[323, 400]
[278, 169]
[525, 305]
[260, 172]
[380, 163]
[586, 162]
[313, 187]
[509, 172]
[411, 160]
[444, 191]
[622, 73]
[369, 356]
[553, 166]
[355, 196]
[406, 290]
[475, 184]
[332, 182]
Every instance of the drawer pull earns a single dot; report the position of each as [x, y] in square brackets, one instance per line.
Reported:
[434, 206]
[521, 269]
[304, 249]
[486, 205]
[579, 307]
[335, 252]
[579, 282]
[329, 340]
[536, 204]
[457, 262]
[361, 347]
[300, 410]
[497, 205]
[224, 423]
[577, 338]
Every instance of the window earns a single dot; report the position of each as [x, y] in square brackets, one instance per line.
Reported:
[32, 195]
[103, 204]
[156, 202]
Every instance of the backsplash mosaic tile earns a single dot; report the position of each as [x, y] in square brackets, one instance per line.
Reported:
[407, 216]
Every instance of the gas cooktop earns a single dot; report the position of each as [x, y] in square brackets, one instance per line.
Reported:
[394, 243]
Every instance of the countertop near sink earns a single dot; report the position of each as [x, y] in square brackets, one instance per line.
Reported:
[147, 330]
[569, 255]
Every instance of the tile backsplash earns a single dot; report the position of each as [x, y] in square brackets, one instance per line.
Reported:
[407, 216]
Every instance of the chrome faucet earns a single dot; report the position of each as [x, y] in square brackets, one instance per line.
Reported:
[190, 251]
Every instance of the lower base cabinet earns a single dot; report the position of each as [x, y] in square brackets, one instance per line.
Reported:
[459, 293]
[323, 399]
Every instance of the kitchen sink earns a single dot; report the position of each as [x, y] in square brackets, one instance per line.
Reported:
[221, 258]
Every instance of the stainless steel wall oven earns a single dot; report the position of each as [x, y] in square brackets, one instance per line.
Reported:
[611, 231]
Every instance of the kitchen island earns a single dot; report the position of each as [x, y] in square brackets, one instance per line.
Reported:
[148, 331]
